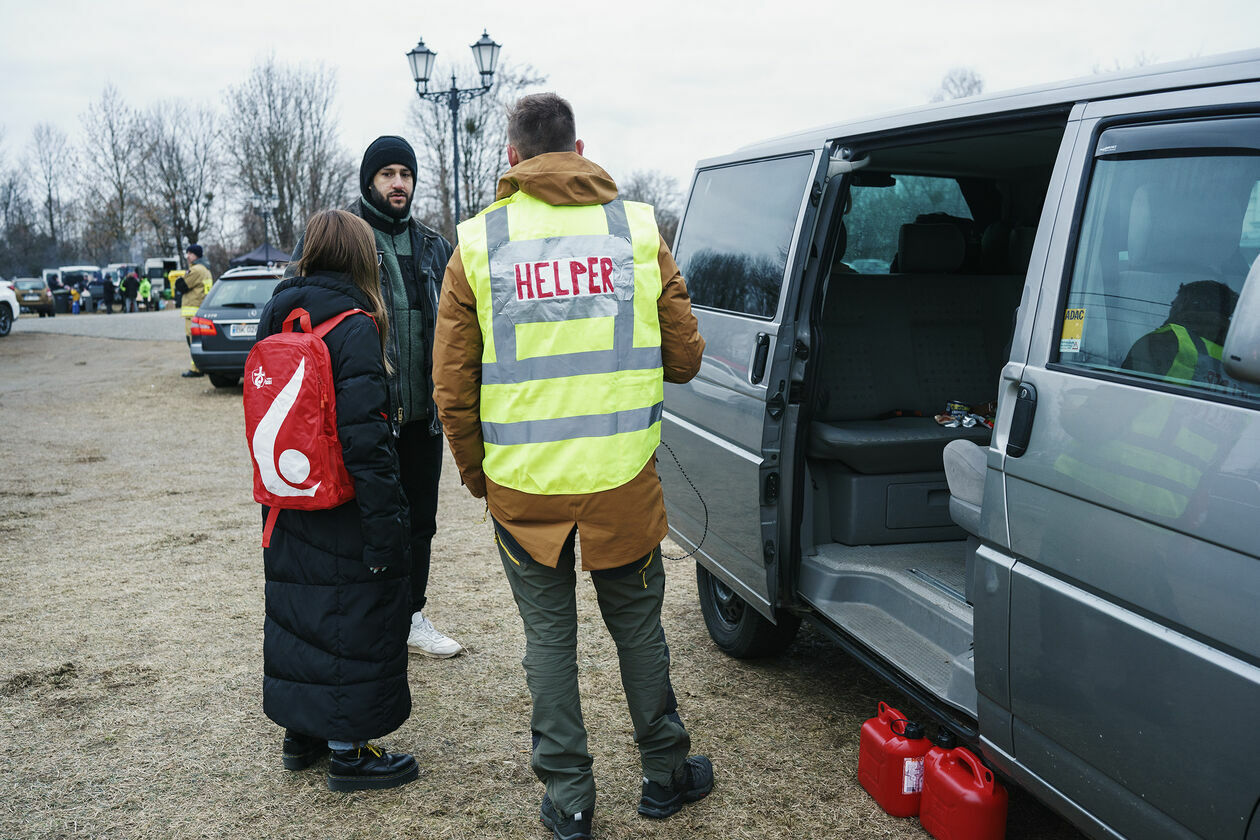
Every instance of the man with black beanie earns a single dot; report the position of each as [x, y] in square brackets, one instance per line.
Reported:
[413, 258]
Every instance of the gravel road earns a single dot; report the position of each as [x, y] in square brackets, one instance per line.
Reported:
[131, 629]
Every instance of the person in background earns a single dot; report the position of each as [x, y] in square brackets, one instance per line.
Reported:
[193, 286]
[413, 257]
[334, 657]
[130, 288]
[107, 289]
[562, 315]
[146, 292]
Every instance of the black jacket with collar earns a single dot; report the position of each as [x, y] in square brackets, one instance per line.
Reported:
[411, 387]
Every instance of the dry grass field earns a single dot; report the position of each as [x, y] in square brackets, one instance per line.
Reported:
[131, 629]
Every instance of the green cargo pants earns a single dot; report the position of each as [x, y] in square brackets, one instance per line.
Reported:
[630, 599]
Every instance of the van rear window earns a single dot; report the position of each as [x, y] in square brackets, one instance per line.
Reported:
[735, 239]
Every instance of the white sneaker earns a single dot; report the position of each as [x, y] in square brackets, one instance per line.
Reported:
[425, 639]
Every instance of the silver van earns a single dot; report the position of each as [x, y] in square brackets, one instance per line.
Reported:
[980, 402]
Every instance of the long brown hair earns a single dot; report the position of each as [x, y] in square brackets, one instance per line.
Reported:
[336, 240]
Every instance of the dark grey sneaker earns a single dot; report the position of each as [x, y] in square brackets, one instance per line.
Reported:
[693, 781]
[576, 827]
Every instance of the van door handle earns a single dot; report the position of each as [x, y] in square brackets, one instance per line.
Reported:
[1022, 420]
[759, 358]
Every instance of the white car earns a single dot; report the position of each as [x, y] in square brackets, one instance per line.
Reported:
[8, 308]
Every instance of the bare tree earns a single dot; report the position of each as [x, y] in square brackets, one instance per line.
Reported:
[958, 83]
[1142, 59]
[482, 146]
[112, 156]
[282, 140]
[181, 173]
[661, 191]
[53, 167]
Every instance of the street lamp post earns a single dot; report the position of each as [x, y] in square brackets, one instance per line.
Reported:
[486, 54]
[265, 205]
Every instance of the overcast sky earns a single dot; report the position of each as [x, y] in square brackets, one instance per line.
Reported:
[655, 84]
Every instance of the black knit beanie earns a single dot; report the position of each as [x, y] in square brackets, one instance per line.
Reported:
[383, 152]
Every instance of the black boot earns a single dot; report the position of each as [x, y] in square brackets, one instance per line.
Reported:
[692, 781]
[576, 827]
[368, 768]
[301, 751]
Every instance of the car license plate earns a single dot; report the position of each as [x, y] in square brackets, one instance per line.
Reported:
[242, 330]
[30, 298]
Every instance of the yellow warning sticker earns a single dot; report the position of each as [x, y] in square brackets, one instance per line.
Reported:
[1073, 329]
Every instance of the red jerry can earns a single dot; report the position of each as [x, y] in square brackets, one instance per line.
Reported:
[961, 799]
[890, 761]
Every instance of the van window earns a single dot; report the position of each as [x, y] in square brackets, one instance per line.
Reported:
[734, 244]
[876, 214]
[1165, 246]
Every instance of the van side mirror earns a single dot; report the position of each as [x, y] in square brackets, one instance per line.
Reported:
[1241, 355]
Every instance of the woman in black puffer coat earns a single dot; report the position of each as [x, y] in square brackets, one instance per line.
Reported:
[334, 650]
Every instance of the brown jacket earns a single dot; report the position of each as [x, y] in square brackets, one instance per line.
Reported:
[615, 526]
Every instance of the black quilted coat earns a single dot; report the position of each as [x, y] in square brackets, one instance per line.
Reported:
[334, 639]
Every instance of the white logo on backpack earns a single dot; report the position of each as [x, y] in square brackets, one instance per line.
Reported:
[260, 378]
[293, 465]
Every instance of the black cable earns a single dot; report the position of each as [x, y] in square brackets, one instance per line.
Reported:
[702, 505]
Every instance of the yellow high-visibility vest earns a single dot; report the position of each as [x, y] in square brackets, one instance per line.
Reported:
[571, 377]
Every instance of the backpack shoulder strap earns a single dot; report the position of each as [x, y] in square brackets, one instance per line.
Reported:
[326, 327]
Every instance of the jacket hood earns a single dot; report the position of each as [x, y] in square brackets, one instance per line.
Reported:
[559, 179]
[322, 295]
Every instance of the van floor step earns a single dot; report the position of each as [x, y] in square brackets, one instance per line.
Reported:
[929, 663]
[901, 603]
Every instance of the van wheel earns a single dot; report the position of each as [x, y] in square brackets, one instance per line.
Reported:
[224, 380]
[738, 629]
[6, 319]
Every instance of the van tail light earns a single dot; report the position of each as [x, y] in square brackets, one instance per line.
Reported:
[202, 326]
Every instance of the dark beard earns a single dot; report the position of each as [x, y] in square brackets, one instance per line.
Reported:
[378, 201]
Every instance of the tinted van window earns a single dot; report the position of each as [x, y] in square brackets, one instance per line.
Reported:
[734, 244]
[1165, 246]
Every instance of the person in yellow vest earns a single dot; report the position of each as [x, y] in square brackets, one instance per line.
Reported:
[562, 313]
[1187, 346]
[193, 286]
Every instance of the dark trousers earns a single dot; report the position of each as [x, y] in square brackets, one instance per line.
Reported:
[630, 600]
[420, 467]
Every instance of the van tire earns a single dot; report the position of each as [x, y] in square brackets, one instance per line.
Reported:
[735, 627]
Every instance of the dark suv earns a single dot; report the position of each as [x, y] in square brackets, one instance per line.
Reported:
[226, 324]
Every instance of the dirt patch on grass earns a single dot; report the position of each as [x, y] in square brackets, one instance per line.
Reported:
[132, 610]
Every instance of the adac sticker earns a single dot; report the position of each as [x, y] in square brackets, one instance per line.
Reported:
[1073, 328]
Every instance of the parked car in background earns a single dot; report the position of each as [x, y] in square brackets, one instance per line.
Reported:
[8, 308]
[156, 269]
[34, 295]
[226, 324]
[82, 277]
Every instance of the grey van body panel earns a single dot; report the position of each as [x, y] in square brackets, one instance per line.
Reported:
[1116, 653]
[1127, 629]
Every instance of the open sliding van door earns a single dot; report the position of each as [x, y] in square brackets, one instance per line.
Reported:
[739, 249]
[1131, 469]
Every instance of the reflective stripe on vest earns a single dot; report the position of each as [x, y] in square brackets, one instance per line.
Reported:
[569, 325]
[1197, 358]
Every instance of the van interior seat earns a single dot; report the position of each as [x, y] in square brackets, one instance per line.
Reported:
[897, 347]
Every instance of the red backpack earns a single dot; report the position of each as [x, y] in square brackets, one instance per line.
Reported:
[291, 420]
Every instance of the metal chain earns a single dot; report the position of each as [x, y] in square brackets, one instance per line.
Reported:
[702, 505]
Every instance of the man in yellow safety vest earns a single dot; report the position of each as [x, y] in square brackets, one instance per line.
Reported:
[562, 313]
[194, 285]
